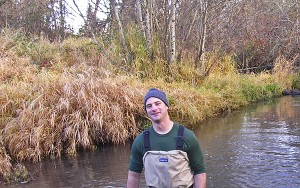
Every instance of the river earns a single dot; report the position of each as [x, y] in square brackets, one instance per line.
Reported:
[256, 146]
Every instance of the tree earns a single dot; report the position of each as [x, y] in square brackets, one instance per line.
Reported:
[121, 31]
[202, 39]
[62, 17]
[148, 34]
[139, 16]
[188, 17]
[172, 31]
[255, 32]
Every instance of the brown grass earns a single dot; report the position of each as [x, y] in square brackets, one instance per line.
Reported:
[5, 162]
[47, 112]
[78, 103]
[283, 70]
[74, 113]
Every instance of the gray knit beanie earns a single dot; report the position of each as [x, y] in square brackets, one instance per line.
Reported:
[153, 92]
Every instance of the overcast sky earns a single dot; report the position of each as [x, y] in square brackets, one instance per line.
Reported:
[74, 19]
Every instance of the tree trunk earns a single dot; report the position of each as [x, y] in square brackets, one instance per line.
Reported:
[202, 39]
[93, 34]
[165, 30]
[121, 32]
[148, 28]
[151, 10]
[62, 9]
[94, 19]
[187, 35]
[172, 32]
[139, 16]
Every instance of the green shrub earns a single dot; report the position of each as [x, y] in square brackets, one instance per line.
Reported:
[296, 81]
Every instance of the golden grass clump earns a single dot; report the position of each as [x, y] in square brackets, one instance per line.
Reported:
[21, 82]
[73, 114]
[15, 68]
[283, 70]
[5, 162]
[16, 78]
[194, 106]
[39, 50]
[184, 72]
[81, 50]
[219, 64]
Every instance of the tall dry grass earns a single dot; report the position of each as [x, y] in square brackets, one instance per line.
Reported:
[47, 112]
[5, 162]
[283, 71]
[81, 100]
[74, 113]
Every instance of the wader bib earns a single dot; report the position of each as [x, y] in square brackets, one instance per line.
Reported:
[167, 169]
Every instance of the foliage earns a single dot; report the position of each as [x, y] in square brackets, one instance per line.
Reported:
[220, 63]
[19, 174]
[260, 87]
[296, 81]
[5, 162]
[82, 50]
[38, 49]
[283, 71]
[83, 100]
[72, 113]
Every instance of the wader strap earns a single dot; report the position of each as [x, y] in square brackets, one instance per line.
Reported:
[146, 140]
[179, 139]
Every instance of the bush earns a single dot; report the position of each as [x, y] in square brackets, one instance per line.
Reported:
[296, 81]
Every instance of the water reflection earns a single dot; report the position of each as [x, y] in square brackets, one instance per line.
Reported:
[106, 167]
[255, 147]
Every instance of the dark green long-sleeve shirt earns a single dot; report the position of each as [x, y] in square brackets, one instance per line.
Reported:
[167, 142]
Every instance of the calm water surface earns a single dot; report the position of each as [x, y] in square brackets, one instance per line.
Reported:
[258, 146]
[255, 147]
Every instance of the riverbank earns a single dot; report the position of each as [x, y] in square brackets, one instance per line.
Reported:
[54, 108]
[241, 144]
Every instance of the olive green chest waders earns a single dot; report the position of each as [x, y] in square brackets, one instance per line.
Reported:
[167, 169]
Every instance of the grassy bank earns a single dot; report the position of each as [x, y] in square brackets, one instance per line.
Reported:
[57, 98]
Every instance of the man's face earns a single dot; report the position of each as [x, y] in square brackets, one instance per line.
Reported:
[156, 109]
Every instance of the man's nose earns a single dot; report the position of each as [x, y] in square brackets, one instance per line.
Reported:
[154, 108]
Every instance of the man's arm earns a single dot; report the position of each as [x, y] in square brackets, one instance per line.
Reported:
[200, 180]
[133, 180]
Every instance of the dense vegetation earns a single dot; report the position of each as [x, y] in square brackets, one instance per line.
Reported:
[63, 90]
[255, 32]
[57, 98]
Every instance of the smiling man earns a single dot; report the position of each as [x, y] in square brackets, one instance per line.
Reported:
[169, 153]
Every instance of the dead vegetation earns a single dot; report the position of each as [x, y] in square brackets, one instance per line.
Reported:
[50, 111]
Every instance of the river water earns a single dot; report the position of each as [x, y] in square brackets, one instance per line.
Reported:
[257, 146]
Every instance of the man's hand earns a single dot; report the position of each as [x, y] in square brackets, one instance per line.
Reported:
[200, 180]
[133, 180]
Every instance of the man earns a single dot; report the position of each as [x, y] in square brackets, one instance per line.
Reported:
[170, 155]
